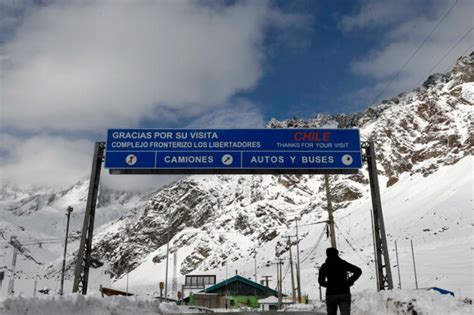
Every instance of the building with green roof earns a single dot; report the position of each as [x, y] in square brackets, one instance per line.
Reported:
[234, 292]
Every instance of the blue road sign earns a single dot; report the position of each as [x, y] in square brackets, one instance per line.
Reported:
[232, 150]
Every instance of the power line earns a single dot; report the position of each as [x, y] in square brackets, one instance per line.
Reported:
[33, 242]
[286, 271]
[415, 52]
[58, 240]
[446, 54]
[276, 228]
[315, 246]
[355, 250]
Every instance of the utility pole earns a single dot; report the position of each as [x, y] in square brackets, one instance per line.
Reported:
[167, 258]
[298, 267]
[2, 275]
[414, 265]
[126, 286]
[320, 290]
[281, 283]
[35, 286]
[398, 267]
[127, 262]
[255, 262]
[293, 291]
[63, 269]
[226, 277]
[174, 283]
[278, 284]
[330, 216]
[279, 263]
[384, 273]
[11, 283]
[267, 280]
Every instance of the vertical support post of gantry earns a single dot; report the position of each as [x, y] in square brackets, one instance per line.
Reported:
[81, 273]
[384, 273]
[332, 231]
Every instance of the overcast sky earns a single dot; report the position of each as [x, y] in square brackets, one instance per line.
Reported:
[72, 69]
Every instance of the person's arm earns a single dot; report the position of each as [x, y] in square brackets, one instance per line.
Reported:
[356, 272]
[322, 276]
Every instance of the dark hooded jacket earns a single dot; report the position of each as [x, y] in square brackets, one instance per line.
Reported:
[338, 275]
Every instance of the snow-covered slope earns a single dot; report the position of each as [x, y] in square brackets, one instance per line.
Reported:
[434, 211]
[36, 218]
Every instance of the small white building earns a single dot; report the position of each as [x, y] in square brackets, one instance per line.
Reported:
[271, 303]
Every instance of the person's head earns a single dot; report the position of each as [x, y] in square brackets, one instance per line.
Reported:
[331, 252]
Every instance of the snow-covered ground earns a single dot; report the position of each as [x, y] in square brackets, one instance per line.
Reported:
[36, 217]
[434, 211]
[370, 302]
[367, 302]
[78, 304]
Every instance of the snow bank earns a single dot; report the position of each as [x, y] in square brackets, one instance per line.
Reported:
[78, 304]
[300, 308]
[367, 302]
[88, 305]
[408, 302]
[170, 307]
[396, 302]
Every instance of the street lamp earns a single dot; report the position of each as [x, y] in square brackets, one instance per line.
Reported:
[68, 214]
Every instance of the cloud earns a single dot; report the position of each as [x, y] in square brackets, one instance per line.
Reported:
[72, 69]
[11, 13]
[89, 65]
[52, 161]
[239, 114]
[375, 13]
[402, 35]
[44, 160]
[55, 161]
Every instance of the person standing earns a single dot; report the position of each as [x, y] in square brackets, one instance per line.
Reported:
[337, 276]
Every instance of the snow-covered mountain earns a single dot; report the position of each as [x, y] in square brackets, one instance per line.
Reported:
[217, 224]
[36, 218]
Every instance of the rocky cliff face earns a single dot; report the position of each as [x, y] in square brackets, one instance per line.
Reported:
[414, 132]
